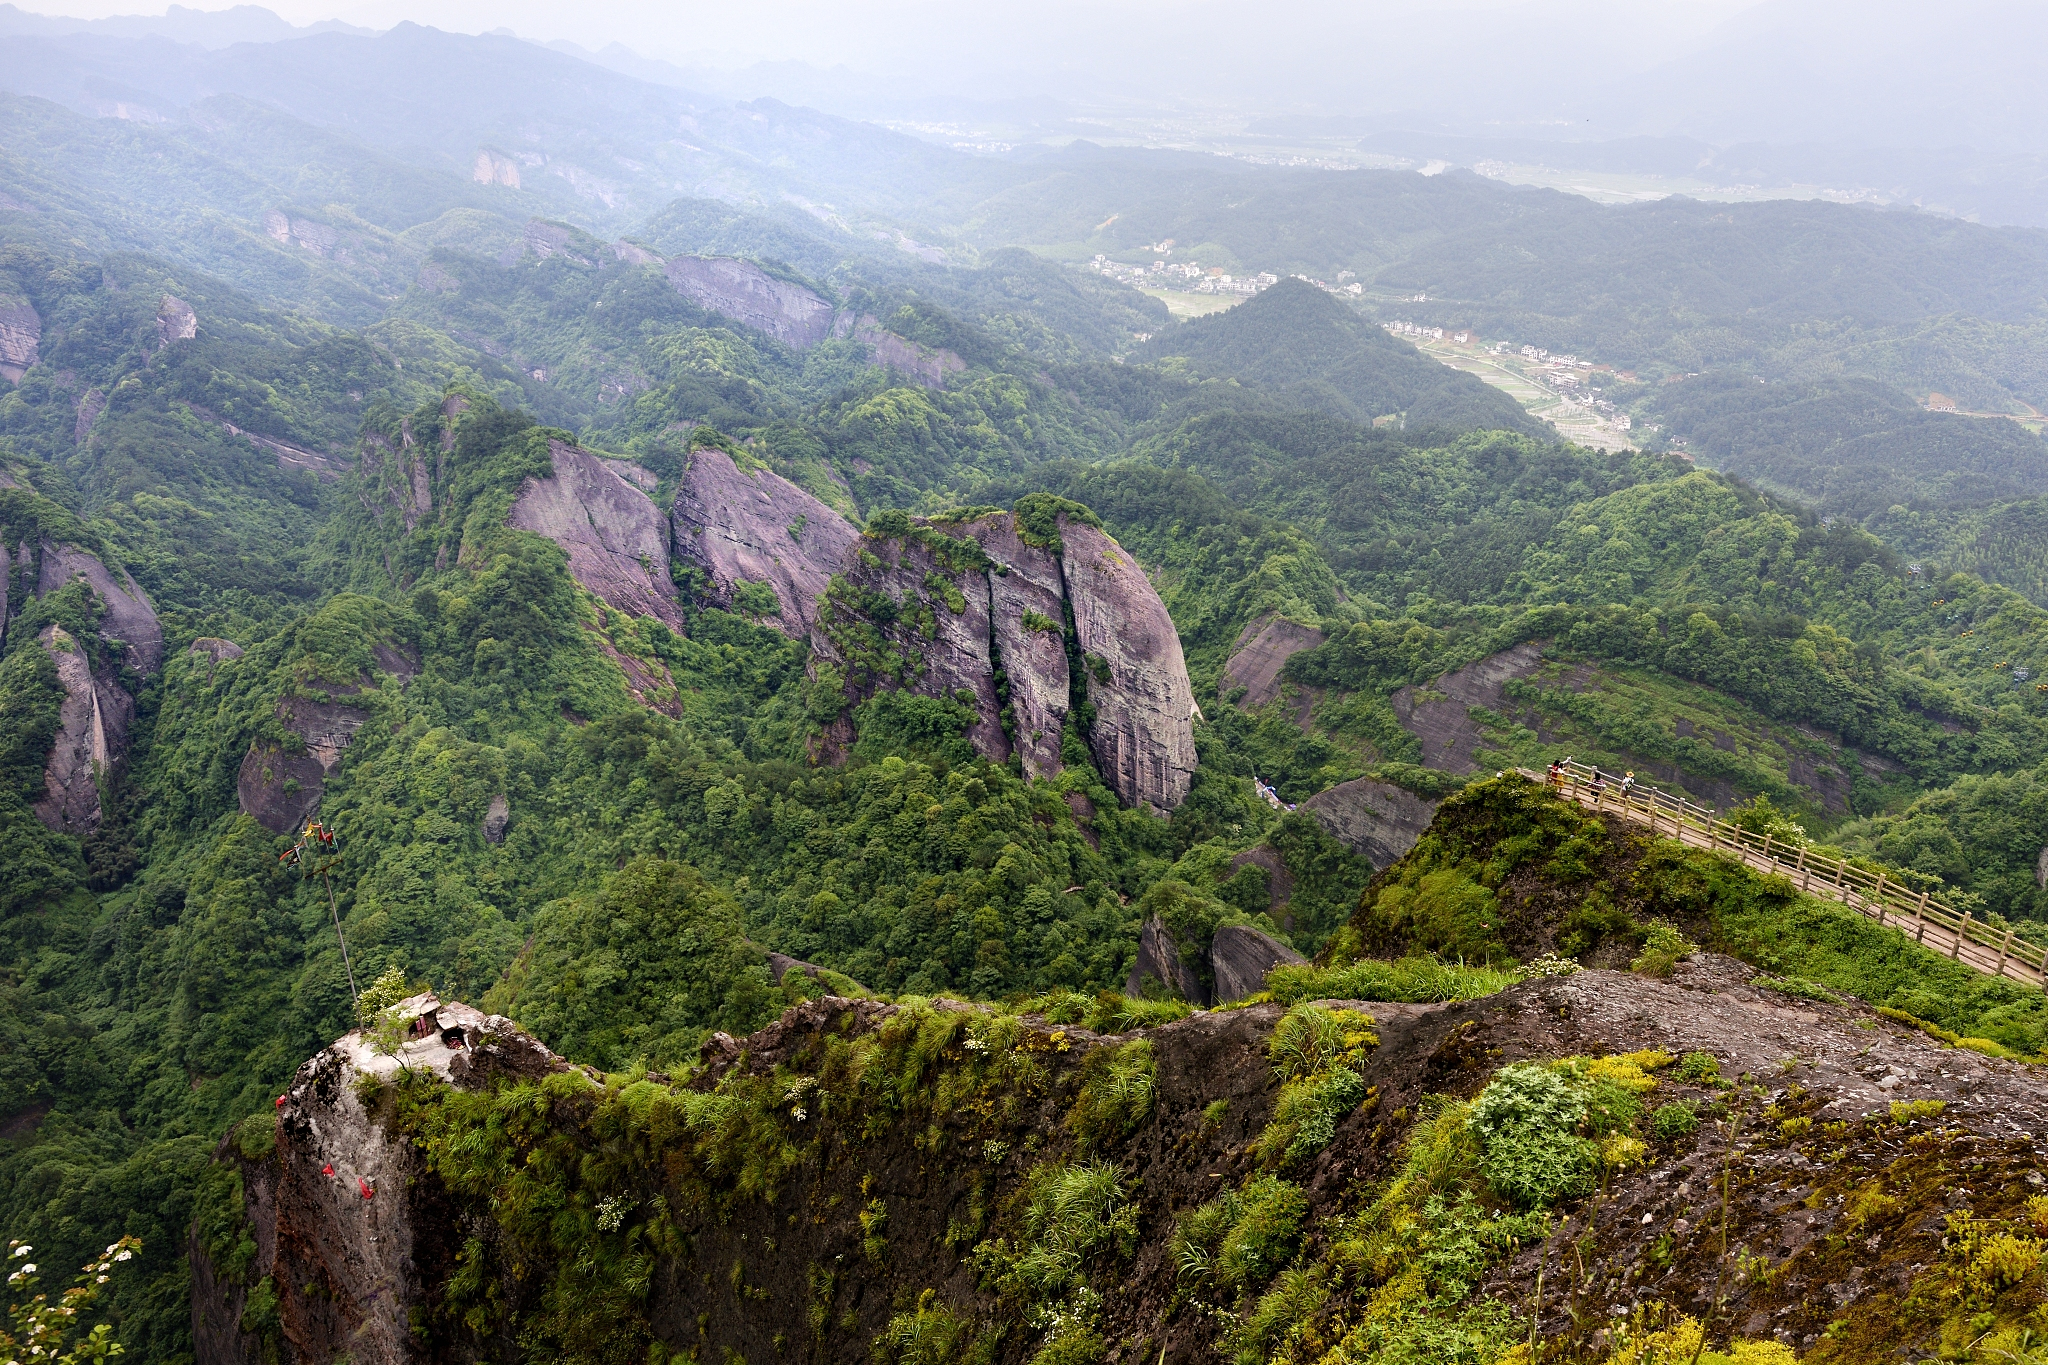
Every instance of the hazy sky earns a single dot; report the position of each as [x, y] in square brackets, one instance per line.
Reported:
[1900, 73]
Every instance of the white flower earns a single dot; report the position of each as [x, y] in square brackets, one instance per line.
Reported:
[797, 1113]
[124, 1256]
[22, 1250]
[112, 1247]
[101, 1280]
[29, 1269]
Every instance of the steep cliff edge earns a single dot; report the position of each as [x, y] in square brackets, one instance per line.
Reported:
[747, 294]
[739, 527]
[92, 737]
[859, 1178]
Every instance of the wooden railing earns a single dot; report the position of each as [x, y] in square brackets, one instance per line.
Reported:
[1989, 948]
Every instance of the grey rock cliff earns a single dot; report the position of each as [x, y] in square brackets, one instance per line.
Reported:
[175, 321]
[281, 788]
[615, 537]
[928, 365]
[1033, 658]
[1376, 820]
[496, 819]
[347, 1214]
[1161, 965]
[758, 527]
[92, 738]
[21, 334]
[1239, 958]
[749, 295]
[128, 617]
[1143, 738]
[1262, 649]
[939, 639]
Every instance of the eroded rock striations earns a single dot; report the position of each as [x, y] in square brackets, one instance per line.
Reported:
[92, 737]
[127, 617]
[755, 526]
[616, 538]
[1376, 820]
[21, 334]
[1262, 649]
[747, 294]
[280, 787]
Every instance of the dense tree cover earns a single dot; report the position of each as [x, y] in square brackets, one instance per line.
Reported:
[1851, 446]
[1305, 345]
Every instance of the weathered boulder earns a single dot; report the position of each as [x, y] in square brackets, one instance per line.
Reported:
[1279, 881]
[615, 537]
[1440, 715]
[1143, 738]
[758, 527]
[127, 618]
[217, 650]
[496, 819]
[1376, 820]
[1161, 965]
[92, 737]
[1239, 958]
[21, 334]
[749, 295]
[1027, 616]
[1263, 647]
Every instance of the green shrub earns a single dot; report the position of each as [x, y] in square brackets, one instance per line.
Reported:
[1674, 1121]
[1241, 1237]
[1306, 1118]
[1310, 1038]
[1699, 1068]
[1073, 1211]
[1663, 948]
[1443, 911]
[1416, 979]
[1116, 1094]
[1115, 1012]
[1527, 1119]
[931, 1334]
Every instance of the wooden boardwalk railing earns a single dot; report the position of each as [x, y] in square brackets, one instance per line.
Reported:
[1918, 915]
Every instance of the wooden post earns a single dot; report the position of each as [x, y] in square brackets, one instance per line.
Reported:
[1956, 953]
[1880, 899]
[2003, 949]
[1805, 872]
[1767, 847]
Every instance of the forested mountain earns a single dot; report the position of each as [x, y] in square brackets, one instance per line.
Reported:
[685, 603]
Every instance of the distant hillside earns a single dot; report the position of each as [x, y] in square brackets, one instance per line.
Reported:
[1852, 446]
[1305, 345]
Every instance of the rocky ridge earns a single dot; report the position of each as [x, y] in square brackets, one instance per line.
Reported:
[358, 1235]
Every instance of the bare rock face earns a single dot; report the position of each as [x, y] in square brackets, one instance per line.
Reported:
[281, 788]
[1376, 820]
[747, 294]
[1161, 963]
[21, 334]
[496, 819]
[1240, 957]
[494, 168]
[928, 365]
[937, 635]
[1144, 738]
[175, 321]
[128, 618]
[91, 404]
[1027, 609]
[397, 478]
[758, 527]
[1448, 733]
[215, 649]
[614, 535]
[1262, 648]
[92, 738]
[345, 1214]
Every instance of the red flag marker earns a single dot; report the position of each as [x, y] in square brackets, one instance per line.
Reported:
[365, 1186]
[327, 1171]
[280, 1101]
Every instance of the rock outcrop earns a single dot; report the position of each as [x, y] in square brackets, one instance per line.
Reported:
[1027, 612]
[175, 321]
[1143, 738]
[1376, 820]
[928, 365]
[280, 787]
[749, 295]
[494, 168]
[1163, 967]
[128, 618]
[497, 819]
[348, 1218]
[92, 737]
[757, 527]
[21, 334]
[1239, 958]
[615, 537]
[939, 609]
[1263, 647]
